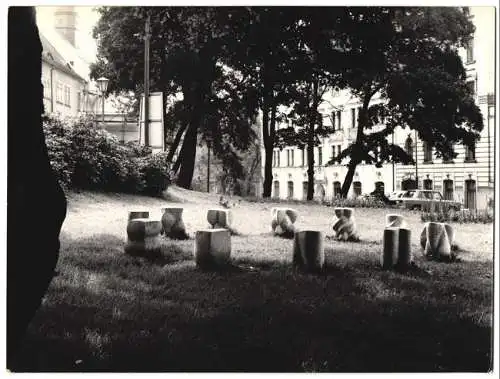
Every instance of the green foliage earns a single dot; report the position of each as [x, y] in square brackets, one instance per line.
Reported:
[185, 49]
[85, 156]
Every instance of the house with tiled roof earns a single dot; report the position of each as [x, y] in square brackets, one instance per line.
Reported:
[68, 89]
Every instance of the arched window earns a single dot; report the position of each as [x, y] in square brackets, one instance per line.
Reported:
[379, 187]
[276, 189]
[427, 184]
[408, 184]
[427, 152]
[409, 146]
[290, 190]
[336, 189]
[470, 194]
[448, 189]
[356, 186]
[304, 190]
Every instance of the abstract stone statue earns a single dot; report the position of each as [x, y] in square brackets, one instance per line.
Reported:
[308, 250]
[220, 218]
[173, 226]
[143, 238]
[395, 220]
[437, 241]
[345, 226]
[137, 214]
[212, 248]
[282, 221]
[396, 248]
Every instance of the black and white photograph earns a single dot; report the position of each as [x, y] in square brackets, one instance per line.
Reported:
[251, 188]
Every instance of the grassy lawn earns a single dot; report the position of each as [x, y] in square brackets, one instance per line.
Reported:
[106, 311]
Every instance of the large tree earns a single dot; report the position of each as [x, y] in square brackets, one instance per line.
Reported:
[33, 190]
[186, 45]
[266, 57]
[314, 74]
[408, 57]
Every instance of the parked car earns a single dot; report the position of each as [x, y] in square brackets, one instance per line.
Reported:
[422, 199]
[395, 197]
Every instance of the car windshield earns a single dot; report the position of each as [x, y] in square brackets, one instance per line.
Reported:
[409, 194]
[437, 196]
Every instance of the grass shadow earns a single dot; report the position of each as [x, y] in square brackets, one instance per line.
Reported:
[121, 314]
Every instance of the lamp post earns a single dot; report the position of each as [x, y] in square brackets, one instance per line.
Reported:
[102, 84]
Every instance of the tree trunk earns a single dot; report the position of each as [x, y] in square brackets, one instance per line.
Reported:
[353, 163]
[268, 133]
[253, 166]
[177, 139]
[187, 157]
[351, 169]
[32, 187]
[310, 139]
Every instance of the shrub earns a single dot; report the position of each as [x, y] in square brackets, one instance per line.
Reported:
[358, 202]
[85, 156]
[462, 217]
[155, 172]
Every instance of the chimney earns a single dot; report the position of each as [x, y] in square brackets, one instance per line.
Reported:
[65, 23]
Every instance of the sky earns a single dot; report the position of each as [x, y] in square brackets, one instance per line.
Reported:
[87, 17]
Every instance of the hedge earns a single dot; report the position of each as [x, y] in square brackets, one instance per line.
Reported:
[84, 156]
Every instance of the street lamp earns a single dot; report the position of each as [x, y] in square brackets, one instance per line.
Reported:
[102, 84]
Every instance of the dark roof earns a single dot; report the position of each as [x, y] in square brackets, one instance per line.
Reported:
[51, 56]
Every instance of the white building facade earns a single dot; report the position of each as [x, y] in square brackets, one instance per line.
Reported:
[468, 178]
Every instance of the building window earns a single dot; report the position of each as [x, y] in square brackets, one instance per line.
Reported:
[409, 146]
[333, 152]
[320, 155]
[78, 101]
[339, 150]
[427, 184]
[67, 96]
[448, 189]
[336, 189]
[471, 85]
[46, 88]
[448, 159]
[304, 190]
[353, 117]
[470, 194]
[380, 187]
[276, 158]
[59, 93]
[339, 119]
[470, 51]
[470, 153]
[289, 158]
[333, 120]
[427, 152]
[290, 190]
[276, 193]
[356, 186]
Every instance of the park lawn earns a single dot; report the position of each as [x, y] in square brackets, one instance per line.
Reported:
[106, 311]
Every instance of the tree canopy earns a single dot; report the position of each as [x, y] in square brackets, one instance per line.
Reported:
[230, 62]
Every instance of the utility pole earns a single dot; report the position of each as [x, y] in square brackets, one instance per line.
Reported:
[393, 170]
[416, 158]
[208, 167]
[147, 37]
